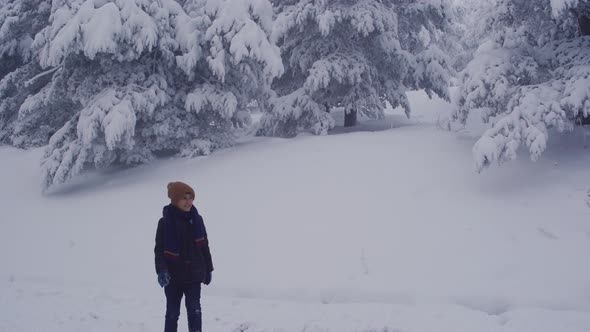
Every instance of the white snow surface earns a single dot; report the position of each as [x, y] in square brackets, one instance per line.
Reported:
[386, 227]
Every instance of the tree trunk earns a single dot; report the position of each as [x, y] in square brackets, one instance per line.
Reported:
[584, 22]
[350, 117]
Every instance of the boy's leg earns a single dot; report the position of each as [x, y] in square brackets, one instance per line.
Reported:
[173, 297]
[192, 300]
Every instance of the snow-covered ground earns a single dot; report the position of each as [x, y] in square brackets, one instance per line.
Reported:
[383, 229]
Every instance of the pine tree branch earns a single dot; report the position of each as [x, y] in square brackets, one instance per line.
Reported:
[52, 70]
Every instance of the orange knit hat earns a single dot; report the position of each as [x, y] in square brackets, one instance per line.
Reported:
[177, 190]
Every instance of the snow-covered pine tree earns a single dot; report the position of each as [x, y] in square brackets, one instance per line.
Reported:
[20, 20]
[532, 74]
[354, 54]
[237, 59]
[20, 73]
[471, 25]
[146, 78]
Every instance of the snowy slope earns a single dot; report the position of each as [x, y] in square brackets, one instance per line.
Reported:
[387, 228]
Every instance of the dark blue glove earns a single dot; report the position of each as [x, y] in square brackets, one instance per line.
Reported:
[164, 278]
[207, 279]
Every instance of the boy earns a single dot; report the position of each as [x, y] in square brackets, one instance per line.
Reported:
[182, 256]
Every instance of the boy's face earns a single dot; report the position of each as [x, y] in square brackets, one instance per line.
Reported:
[186, 202]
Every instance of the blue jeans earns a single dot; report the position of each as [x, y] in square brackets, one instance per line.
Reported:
[192, 301]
